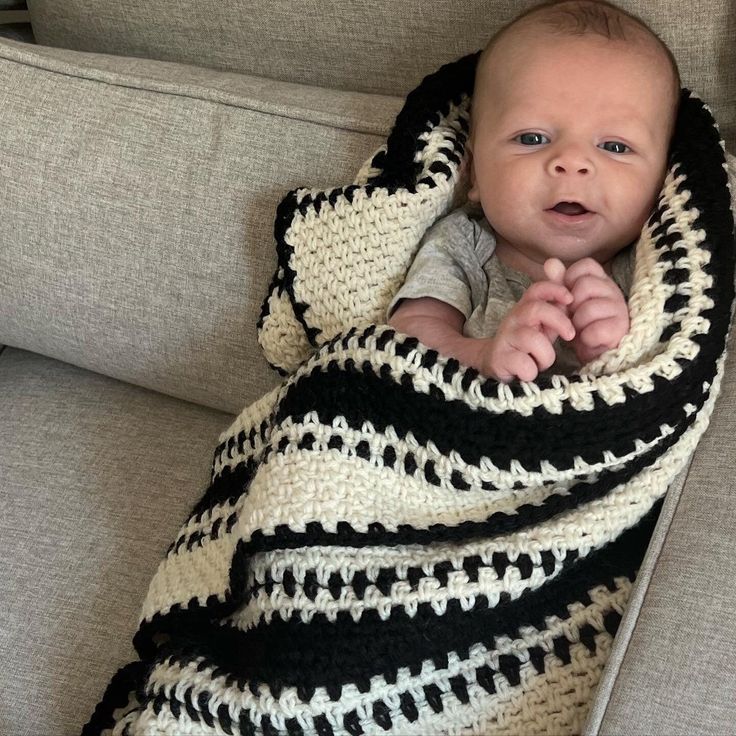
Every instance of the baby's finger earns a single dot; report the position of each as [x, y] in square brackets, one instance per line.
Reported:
[593, 310]
[548, 291]
[532, 342]
[589, 287]
[583, 267]
[554, 270]
[548, 317]
[601, 334]
[521, 366]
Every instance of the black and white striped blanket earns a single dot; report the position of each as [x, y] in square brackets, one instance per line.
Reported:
[392, 543]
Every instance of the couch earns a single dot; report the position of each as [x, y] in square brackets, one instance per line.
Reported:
[145, 147]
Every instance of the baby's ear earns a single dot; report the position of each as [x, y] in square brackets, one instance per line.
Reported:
[469, 172]
[460, 193]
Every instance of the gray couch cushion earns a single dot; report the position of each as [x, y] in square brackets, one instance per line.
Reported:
[96, 477]
[138, 207]
[382, 46]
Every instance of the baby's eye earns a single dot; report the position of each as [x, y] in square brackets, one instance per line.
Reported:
[614, 147]
[531, 139]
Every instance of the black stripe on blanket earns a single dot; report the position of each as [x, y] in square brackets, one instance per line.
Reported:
[323, 653]
[359, 395]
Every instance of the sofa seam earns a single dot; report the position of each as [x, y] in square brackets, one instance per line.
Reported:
[141, 87]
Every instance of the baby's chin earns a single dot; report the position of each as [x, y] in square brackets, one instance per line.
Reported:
[568, 253]
[602, 256]
[572, 248]
[554, 237]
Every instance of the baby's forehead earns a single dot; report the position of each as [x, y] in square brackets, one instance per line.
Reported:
[522, 40]
[518, 50]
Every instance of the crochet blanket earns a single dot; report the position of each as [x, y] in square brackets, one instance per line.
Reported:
[392, 543]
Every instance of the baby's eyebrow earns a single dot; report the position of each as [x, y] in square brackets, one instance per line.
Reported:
[626, 124]
[631, 123]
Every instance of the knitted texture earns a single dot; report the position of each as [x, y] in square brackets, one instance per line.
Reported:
[392, 543]
[344, 252]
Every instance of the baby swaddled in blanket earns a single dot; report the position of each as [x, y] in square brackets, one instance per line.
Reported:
[573, 110]
[403, 537]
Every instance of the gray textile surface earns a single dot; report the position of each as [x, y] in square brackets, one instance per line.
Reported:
[88, 512]
[382, 46]
[138, 208]
[678, 663]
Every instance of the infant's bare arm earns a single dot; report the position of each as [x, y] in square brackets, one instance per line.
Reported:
[439, 326]
[522, 345]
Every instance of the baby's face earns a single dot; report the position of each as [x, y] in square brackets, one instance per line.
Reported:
[569, 120]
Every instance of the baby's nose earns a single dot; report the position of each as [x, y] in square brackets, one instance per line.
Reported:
[563, 168]
[570, 161]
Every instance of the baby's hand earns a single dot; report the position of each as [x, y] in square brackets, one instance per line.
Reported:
[523, 344]
[599, 310]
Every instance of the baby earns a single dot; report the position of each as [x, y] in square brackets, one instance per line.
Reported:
[572, 114]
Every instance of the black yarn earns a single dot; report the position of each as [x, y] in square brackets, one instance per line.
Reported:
[124, 683]
[326, 653]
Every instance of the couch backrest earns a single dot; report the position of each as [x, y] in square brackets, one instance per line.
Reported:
[138, 200]
[383, 46]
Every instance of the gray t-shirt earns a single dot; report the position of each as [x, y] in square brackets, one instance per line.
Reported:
[455, 263]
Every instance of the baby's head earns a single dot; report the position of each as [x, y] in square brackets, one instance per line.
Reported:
[574, 102]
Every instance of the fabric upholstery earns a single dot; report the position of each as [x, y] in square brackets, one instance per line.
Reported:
[138, 206]
[88, 512]
[380, 46]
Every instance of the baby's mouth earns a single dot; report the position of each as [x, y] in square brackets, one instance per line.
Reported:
[570, 208]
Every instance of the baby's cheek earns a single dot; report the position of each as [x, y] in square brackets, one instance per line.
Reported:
[636, 195]
[503, 208]
[501, 183]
